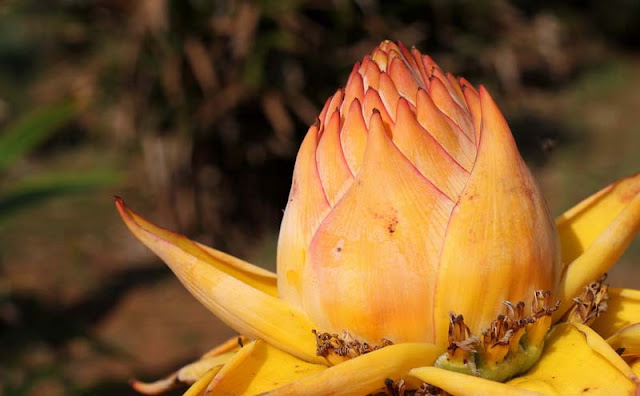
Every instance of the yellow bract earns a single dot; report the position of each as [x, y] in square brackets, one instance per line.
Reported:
[596, 232]
[258, 368]
[466, 385]
[578, 361]
[623, 309]
[239, 304]
[364, 374]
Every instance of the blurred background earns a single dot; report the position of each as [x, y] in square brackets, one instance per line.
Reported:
[193, 110]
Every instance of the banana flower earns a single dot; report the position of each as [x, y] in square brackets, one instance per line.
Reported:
[417, 254]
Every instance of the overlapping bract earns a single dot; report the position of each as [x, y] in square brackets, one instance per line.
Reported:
[409, 197]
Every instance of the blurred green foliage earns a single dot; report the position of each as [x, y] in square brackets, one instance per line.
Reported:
[20, 138]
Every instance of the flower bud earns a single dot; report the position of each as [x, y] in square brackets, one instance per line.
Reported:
[410, 200]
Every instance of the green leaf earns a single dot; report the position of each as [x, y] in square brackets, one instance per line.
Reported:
[36, 189]
[31, 129]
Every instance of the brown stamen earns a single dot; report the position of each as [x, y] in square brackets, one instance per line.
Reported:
[461, 343]
[399, 388]
[344, 345]
[590, 304]
[541, 320]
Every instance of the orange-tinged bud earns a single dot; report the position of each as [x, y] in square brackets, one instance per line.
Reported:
[410, 200]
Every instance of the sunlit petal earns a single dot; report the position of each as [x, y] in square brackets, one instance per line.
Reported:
[243, 307]
[596, 232]
[465, 385]
[578, 361]
[259, 367]
[623, 309]
[581, 225]
[198, 388]
[257, 277]
[626, 341]
[364, 374]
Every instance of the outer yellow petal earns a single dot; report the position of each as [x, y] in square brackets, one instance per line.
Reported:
[580, 226]
[465, 385]
[257, 277]
[258, 368]
[599, 345]
[241, 306]
[500, 243]
[623, 309]
[191, 372]
[233, 344]
[635, 366]
[626, 340]
[198, 388]
[364, 374]
[576, 361]
[595, 233]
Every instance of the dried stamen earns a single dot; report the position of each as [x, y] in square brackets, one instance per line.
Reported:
[399, 388]
[541, 313]
[461, 343]
[344, 345]
[430, 390]
[512, 343]
[590, 304]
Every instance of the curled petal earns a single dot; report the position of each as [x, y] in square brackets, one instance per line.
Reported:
[500, 243]
[256, 277]
[364, 374]
[578, 361]
[623, 309]
[594, 234]
[239, 304]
